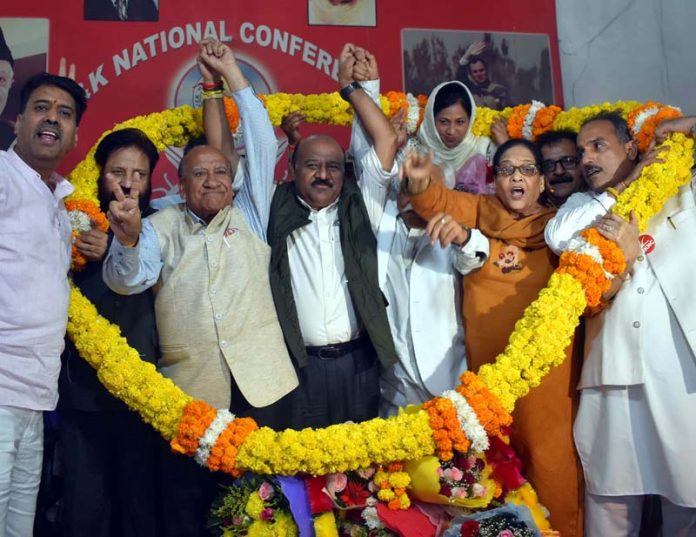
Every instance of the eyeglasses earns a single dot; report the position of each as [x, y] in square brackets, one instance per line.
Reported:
[568, 163]
[506, 170]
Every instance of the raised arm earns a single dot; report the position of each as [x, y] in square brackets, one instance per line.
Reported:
[371, 133]
[422, 181]
[215, 124]
[254, 198]
[357, 62]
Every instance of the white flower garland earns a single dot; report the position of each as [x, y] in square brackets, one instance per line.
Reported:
[413, 114]
[527, 129]
[642, 117]
[223, 418]
[80, 221]
[468, 420]
[580, 245]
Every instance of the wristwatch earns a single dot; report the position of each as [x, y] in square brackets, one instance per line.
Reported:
[347, 90]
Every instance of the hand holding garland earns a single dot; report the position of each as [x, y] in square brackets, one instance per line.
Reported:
[625, 235]
[92, 244]
[685, 125]
[651, 157]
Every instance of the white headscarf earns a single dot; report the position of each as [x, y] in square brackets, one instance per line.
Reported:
[470, 144]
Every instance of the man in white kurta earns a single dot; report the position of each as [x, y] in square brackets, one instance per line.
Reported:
[635, 430]
[418, 278]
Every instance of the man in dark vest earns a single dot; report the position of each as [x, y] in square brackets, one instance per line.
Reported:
[325, 287]
[108, 452]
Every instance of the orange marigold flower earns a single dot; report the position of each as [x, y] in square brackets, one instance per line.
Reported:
[516, 121]
[447, 431]
[98, 220]
[232, 112]
[197, 417]
[491, 414]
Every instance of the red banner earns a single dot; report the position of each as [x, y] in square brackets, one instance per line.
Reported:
[143, 59]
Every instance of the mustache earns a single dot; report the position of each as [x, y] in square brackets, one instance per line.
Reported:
[560, 179]
[323, 182]
[590, 169]
[50, 127]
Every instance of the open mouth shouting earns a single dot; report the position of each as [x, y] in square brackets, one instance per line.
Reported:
[48, 135]
[517, 192]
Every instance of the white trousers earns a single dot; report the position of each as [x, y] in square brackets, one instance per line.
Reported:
[619, 516]
[21, 453]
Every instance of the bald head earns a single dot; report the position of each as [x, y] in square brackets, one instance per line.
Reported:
[319, 163]
[206, 181]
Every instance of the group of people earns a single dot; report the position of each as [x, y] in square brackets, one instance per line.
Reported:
[334, 298]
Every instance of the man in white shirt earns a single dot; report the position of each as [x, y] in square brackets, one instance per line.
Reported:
[325, 287]
[34, 262]
[635, 431]
[418, 278]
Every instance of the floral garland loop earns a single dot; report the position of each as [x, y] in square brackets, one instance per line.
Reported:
[534, 347]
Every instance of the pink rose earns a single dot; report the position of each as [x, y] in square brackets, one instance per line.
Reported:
[267, 514]
[506, 533]
[456, 474]
[440, 471]
[336, 483]
[459, 492]
[478, 490]
[266, 491]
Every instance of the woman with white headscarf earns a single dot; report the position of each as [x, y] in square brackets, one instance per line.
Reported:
[446, 131]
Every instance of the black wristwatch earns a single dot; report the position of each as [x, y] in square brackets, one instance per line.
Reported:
[347, 90]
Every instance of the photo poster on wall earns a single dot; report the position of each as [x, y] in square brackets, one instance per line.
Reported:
[23, 52]
[139, 56]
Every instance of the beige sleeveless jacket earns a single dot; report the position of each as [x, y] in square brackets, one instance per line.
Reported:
[214, 310]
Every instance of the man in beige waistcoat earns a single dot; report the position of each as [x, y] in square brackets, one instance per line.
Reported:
[207, 258]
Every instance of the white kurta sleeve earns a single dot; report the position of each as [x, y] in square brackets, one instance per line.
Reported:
[580, 211]
[472, 255]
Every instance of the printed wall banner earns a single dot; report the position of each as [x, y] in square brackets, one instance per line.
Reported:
[23, 52]
[500, 68]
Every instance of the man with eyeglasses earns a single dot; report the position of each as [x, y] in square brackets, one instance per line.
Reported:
[220, 339]
[560, 165]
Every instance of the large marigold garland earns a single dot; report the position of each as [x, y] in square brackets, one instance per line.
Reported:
[223, 442]
[523, 121]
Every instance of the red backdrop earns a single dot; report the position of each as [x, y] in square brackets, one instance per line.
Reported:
[128, 71]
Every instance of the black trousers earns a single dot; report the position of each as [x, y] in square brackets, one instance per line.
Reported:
[336, 390]
[110, 474]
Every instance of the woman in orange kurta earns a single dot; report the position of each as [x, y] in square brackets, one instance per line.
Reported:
[495, 297]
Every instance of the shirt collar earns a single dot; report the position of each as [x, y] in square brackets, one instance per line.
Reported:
[196, 219]
[327, 208]
[63, 187]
